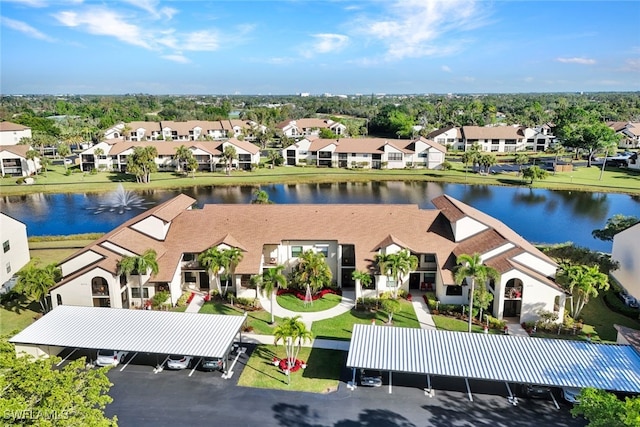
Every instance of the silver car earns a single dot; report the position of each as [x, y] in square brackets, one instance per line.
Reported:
[110, 357]
[178, 362]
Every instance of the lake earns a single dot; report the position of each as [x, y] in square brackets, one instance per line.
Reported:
[539, 215]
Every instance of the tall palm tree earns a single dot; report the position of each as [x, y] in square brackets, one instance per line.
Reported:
[362, 278]
[139, 265]
[213, 260]
[521, 159]
[182, 156]
[229, 155]
[271, 279]
[32, 155]
[232, 258]
[471, 267]
[397, 265]
[293, 333]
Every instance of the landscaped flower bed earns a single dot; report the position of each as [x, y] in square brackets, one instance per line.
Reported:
[300, 295]
[284, 366]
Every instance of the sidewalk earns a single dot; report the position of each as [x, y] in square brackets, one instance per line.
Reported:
[516, 330]
[196, 303]
[422, 313]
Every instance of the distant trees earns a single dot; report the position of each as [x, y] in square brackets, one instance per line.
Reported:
[533, 173]
[614, 225]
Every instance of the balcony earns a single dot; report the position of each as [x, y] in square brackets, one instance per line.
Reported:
[513, 292]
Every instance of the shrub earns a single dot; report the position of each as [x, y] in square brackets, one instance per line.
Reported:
[159, 298]
[496, 323]
[68, 172]
[182, 301]
[20, 180]
[446, 166]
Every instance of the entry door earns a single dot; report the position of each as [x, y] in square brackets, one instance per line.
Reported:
[414, 281]
[512, 308]
[204, 280]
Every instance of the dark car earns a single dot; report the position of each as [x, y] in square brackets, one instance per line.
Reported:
[211, 364]
[370, 378]
[536, 391]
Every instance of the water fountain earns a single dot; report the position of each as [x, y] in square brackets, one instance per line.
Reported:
[120, 201]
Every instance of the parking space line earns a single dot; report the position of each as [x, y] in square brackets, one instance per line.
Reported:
[127, 364]
[195, 366]
[160, 367]
[68, 355]
[554, 400]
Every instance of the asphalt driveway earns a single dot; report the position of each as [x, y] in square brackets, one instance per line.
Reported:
[173, 398]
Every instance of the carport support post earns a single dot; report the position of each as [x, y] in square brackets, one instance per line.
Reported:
[466, 380]
[353, 378]
[390, 391]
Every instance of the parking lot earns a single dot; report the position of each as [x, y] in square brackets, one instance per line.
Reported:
[193, 397]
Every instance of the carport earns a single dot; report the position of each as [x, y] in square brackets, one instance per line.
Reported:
[503, 358]
[134, 331]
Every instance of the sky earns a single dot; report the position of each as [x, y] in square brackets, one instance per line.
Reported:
[338, 47]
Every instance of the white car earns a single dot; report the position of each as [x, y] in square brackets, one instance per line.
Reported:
[570, 394]
[178, 362]
[110, 357]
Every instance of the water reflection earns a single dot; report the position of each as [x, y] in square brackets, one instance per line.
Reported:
[538, 215]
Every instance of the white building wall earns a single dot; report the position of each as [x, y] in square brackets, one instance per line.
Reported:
[152, 226]
[78, 262]
[626, 251]
[466, 227]
[78, 291]
[541, 266]
[290, 261]
[13, 137]
[16, 256]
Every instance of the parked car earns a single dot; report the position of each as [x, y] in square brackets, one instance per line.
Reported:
[212, 364]
[110, 357]
[178, 362]
[536, 391]
[570, 394]
[370, 378]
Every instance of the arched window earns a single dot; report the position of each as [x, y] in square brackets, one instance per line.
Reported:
[99, 287]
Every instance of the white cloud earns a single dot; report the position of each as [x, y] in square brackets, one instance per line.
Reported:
[177, 57]
[324, 43]
[25, 29]
[632, 65]
[446, 68]
[151, 6]
[200, 40]
[417, 28]
[104, 22]
[576, 60]
[30, 3]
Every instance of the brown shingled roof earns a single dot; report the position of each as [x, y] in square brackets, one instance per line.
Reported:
[11, 127]
[492, 132]
[18, 150]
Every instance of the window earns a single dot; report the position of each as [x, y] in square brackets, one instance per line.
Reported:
[6, 246]
[323, 249]
[429, 258]
[135, 292]
[59, 299]
[296, 251]
[454, 290]
[8, 267]
[395, 156]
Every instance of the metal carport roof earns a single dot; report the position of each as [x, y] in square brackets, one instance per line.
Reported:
[165, 332]
[511, 359]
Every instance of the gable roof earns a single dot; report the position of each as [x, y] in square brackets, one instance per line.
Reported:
[11, 127]
[491, 132]
[18, 150]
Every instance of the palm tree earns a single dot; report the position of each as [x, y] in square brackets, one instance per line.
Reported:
[261, 197]
[97, 153]
[139, 265]
[32, 155]
[583, 282]
[232, 258]
[229, 155]
[471, 267]
[521, 159]
[213, 260]
[397, 265]
[35, 282]
[182, 155]
[362, 278]
[534, 172]
[271, 279]
[293, 333]
[64, 151]
[313, 271]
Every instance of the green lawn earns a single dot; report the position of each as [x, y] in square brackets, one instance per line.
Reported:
[258, 320]
[452, 324]
[598, 316]
[17, 315]
[293, 303]
[341, 327]
[321, 375]
[586, 179]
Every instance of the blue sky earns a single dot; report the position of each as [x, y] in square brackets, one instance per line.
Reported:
[338, 47]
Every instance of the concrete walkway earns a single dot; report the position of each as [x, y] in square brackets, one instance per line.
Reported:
[516, 330]
[196, 303]
[422, 312]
